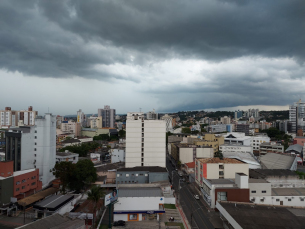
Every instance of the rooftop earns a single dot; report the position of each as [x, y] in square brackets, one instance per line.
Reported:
[288, 191]
[36, 197]
[221, 181]
[295, 147]
[300, 137]
[190, 164]
[72, 140]
[107, 167]
[144, 168]
[251, 180]
[264, 173]
[263, 216]
[55, 221]
[64, 154]
[140, 192]
[277, 161]
[54, 202]
[218, 160]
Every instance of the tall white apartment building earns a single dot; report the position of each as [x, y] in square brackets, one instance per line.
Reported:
[34, 147]
[152, 115]
[12, 118]
[225, 120]
[145, 141]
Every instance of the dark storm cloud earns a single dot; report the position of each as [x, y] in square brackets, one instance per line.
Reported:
[127, 40]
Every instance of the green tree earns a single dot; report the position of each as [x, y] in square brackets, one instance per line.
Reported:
[95, 194]
[186, 130]
[218, 154]
[122, 133]
[195, 132]
[64, 171]
[102, 137]
[84, 175]
[203, 130]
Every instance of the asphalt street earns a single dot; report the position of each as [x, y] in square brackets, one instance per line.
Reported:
[194, 210]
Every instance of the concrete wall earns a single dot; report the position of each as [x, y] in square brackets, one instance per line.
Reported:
[285, 181]
[186, 155]
[258, 188]
[117, 155]
[7, 190]
[231, 169]
[204, 152]
[155, 177]
[213, 171]
[295, 201]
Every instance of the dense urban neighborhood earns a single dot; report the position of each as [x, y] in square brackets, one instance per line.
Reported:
[147, 170]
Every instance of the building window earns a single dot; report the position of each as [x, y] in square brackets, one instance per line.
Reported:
[17, 189]
[127, 175]
[118, 175]
[289, 199]
[253, 191]
[23, 187]
[35, 137]
[222, 196]
[35, 149]
[301, 199]
[133, 216]
[35, 143]
[33, 183]
[35, 131]
[18, 182]
[264, 191]
[23, 181]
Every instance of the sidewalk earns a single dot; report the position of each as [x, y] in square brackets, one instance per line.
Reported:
[183, 217]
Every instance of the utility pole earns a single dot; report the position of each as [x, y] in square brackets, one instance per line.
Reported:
[109, 224]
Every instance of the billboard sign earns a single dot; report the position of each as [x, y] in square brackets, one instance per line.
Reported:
[111, 197]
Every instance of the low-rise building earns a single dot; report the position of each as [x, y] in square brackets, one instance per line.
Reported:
[212, 140]
[270, 147]
[296, 150]
[66, 156]
[117, 155]
[216, 168]
[187, 153]
[217, 128]
[300, 140]
[278, 178]
[139, 174]
[17, 184]
[132, 207]
[214, 190]
[108, 170]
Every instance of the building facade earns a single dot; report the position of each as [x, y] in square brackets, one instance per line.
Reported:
[18, 184]
[34, 147]
[14, 118]
[145, 141]
[168, 120]
[108, 116]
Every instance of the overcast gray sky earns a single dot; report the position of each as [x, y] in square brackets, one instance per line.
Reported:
[169, 55]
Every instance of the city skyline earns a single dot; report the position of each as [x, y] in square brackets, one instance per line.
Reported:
[168, 55]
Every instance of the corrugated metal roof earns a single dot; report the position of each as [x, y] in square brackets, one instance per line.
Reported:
[277, 161]
[140, 192]
[295, 147]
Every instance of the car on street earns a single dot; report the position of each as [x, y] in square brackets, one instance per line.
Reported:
[119, 223]
[180, 174]
[196, 197]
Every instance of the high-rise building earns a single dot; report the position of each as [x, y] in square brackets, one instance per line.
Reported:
[238, 114]
[34, 147]
[169, 121]
[225, 120]
[108, 116]
[12, 118]
[152, 115]
[145, 141]
[81, 118]
[297, 116]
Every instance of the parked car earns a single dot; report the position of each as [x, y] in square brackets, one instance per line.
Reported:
[119, 223]
[180, 174]
[196, 197]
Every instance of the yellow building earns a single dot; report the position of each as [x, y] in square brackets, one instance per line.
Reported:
[211, 140]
